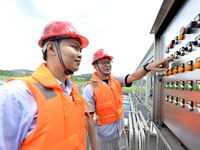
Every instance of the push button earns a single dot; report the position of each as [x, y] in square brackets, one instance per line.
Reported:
[189, 105]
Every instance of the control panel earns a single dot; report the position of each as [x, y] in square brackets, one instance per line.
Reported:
[180, 85]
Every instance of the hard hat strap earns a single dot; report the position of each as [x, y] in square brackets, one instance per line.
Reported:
[67, 71]
[106, 74]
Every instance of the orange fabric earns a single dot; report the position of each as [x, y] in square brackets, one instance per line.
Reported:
[60, 121]
[109, 99]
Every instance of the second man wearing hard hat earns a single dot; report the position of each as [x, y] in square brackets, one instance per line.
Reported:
[104, 95]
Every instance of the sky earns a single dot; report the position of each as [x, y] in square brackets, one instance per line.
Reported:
[122, 28]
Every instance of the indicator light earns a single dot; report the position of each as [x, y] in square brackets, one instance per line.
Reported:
[197, 63]
[170, 72]
[175, 71]
[181, 85]
[196, 87]
[180, 69]
[188, 86]
[188, 66]
[166, 73]
[180, 37]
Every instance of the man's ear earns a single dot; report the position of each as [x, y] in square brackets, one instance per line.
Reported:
[51, 48]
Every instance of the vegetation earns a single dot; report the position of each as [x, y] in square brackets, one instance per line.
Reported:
[80, 80]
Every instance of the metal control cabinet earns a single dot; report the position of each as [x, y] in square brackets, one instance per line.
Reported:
[177, 91]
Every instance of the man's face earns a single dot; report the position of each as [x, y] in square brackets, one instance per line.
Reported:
[105, 65]
[71, 53]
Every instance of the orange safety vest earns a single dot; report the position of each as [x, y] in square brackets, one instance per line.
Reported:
[60, 121]
[109, 99]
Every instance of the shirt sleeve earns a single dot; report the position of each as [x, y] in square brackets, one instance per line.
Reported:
[18, 111]
[88, 95]
[123, 81]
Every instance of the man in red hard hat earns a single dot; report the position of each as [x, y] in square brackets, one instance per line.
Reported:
[104, 95]
[45, 111]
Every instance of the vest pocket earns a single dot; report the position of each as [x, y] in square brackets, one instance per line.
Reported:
[70, 143]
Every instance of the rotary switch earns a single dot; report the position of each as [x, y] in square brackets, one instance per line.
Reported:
[166, 97]
[175, 100]
[181, 102]
[189, 47]
[171, 99]
[176, 53]
[176, 40]
[189, 105]
[190, 26]
[197, 109]
[182, 51]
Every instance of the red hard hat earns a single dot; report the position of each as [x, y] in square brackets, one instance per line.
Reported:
[61, 28]
[99, 54]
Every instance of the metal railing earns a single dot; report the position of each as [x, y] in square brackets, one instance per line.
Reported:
[140, 137]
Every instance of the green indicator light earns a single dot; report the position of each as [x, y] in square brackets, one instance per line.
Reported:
[173, 86]
[168, 86]
[165, 86]
[179, 87]
[186, 87]
[195, 87]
